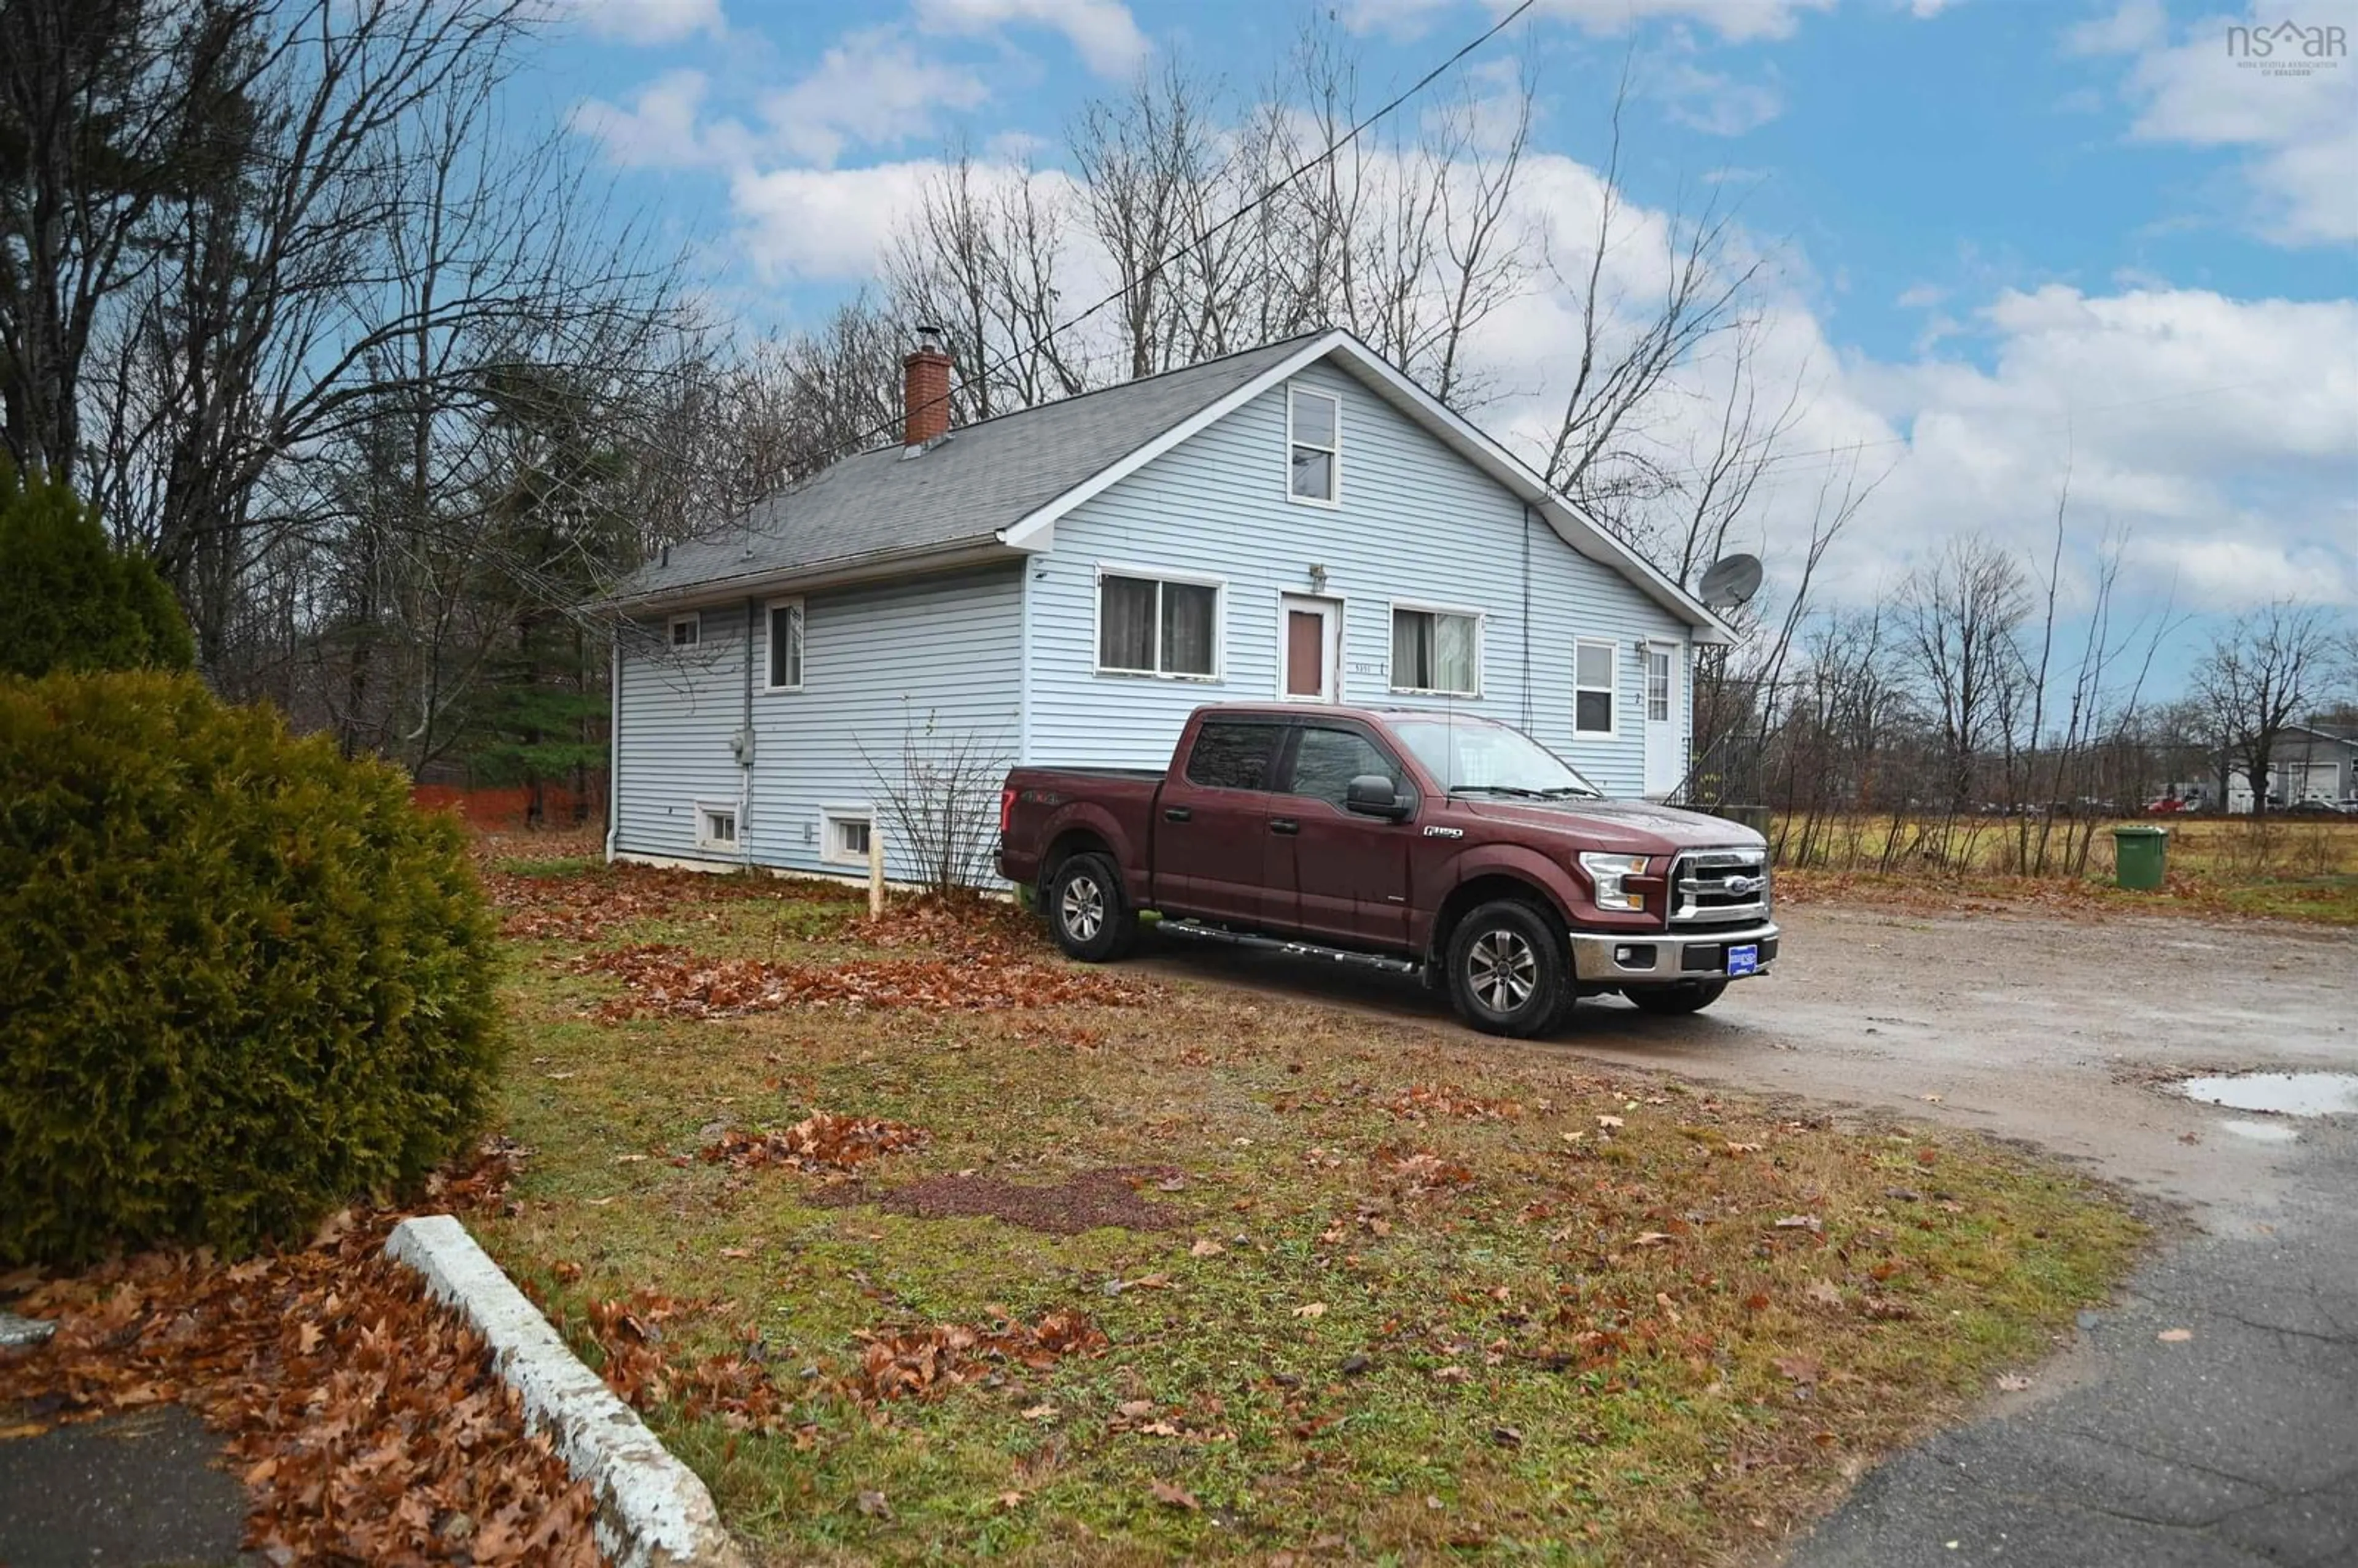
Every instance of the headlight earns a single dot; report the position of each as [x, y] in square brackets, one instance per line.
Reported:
[1607, 873]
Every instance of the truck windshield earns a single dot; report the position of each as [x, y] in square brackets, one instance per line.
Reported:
[1480, 756]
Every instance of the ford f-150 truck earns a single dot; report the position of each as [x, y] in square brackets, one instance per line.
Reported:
[1425, 842]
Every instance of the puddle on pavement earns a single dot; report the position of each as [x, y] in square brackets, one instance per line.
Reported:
[2285, 1094]
[2262, 1131]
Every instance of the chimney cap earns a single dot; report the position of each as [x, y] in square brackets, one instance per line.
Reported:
[929, 338]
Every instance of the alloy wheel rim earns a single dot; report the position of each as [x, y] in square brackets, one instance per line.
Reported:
[1502, 970]
[1082, 909]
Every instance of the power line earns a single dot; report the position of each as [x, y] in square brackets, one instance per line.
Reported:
[1183, 251]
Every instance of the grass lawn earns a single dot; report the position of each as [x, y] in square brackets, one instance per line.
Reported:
[2286, 867]
[1375, 1292]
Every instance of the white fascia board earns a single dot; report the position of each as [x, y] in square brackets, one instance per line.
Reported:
[982, 549]
[1036, 530]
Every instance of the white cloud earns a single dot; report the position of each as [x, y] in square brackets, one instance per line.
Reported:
[648, 21]
[874, 89]
[660, 129]
[1736, 21]
[1920, 297]
[1103, 31]
[2296, 114]
[1393, 18]
[1715, 103]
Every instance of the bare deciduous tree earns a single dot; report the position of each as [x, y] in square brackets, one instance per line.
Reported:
[2259, 675]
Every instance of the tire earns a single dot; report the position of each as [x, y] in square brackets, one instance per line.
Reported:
[1509, 970]
[1087, 915]
[1675, 1000]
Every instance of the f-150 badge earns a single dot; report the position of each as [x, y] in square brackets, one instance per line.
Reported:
[1444, 832]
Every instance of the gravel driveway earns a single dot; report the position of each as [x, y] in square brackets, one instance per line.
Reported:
[2235, 1443]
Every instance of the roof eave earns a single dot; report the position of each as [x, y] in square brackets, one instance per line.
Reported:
[844, 571]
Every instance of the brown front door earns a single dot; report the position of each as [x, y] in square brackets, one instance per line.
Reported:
[1311, 649]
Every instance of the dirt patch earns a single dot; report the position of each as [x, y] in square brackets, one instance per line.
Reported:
[1106, 1196]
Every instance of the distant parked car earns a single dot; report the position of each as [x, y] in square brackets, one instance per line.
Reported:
[2167, 806]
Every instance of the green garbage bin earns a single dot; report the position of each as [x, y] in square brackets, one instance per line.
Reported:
[2139, 853]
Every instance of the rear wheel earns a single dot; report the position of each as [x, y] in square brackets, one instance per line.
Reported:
[1086, 912]
[1687, 996]
[1509, 971]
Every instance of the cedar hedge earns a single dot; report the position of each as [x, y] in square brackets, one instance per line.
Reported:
[70, 600]
[241, 979]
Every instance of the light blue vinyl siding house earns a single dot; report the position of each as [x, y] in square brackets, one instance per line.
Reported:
[1064, 585]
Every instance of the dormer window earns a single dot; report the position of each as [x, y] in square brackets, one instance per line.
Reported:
[1313, 436]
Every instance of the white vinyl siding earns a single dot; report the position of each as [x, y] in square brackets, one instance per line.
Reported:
[887, 670]
[1415, 524]
[1437, 651]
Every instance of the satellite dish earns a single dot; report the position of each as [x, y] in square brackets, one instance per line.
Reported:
[1731, 580]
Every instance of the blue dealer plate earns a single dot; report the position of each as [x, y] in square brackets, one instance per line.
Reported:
[1743, 960]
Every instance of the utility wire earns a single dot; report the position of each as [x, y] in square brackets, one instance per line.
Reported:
[1157, 268]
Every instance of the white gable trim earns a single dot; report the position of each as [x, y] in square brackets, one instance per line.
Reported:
[1036, 532]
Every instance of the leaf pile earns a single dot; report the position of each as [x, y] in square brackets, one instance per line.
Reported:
[582, 907]
[823, 1143]
[937, 925]
[643, 1369]
[365, 1418]
[917, 1363]
[666, 980]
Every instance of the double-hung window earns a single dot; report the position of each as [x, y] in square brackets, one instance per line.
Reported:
[1436, 651]
[785, 645]
[1314, 438]
[1158, 626]
[1593, 680]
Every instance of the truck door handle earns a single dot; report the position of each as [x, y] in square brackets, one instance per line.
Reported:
[1176, 813]
[1283, 825]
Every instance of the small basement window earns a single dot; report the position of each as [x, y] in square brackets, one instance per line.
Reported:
[716, 826]
[1313, 438]
[844, 836]
[1594, 678]
[687, 630]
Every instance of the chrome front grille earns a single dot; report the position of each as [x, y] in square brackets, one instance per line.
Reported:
[1719, 887]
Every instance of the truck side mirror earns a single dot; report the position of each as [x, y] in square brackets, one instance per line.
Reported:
[1371, 794]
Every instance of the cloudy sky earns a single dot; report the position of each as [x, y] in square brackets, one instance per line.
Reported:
[2012, 238]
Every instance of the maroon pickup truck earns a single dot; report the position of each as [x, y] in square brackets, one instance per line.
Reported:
[1429, 843]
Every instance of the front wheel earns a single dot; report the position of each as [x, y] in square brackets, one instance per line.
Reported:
[1087, 911]
[1509, 972]
[1672, 1002]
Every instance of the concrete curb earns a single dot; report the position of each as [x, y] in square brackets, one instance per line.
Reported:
[651, 1510]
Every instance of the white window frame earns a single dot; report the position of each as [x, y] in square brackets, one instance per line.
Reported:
[704, 811]
[1612, 689]
[1220, 587]
[1670, 652]
[829, 818]
[694, 620]
[1481, 620]
[802, 642]
[1335, 453]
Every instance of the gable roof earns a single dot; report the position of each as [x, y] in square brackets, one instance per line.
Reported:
[998, 487]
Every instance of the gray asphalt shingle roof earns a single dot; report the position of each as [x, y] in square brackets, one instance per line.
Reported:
[982, 479]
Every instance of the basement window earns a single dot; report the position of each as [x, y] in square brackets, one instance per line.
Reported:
[716, 826]
[844, 836]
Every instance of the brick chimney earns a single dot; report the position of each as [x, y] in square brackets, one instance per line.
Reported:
[926, 389]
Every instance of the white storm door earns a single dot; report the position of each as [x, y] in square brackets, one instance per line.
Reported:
[1665, 758]
[1310, 649]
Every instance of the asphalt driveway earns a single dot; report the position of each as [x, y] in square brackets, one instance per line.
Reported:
[2235, 1441]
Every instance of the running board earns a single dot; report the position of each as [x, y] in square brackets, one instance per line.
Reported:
[1291, 949]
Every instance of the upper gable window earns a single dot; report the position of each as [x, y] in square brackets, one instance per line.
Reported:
[1313, 435]
[687, 631]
